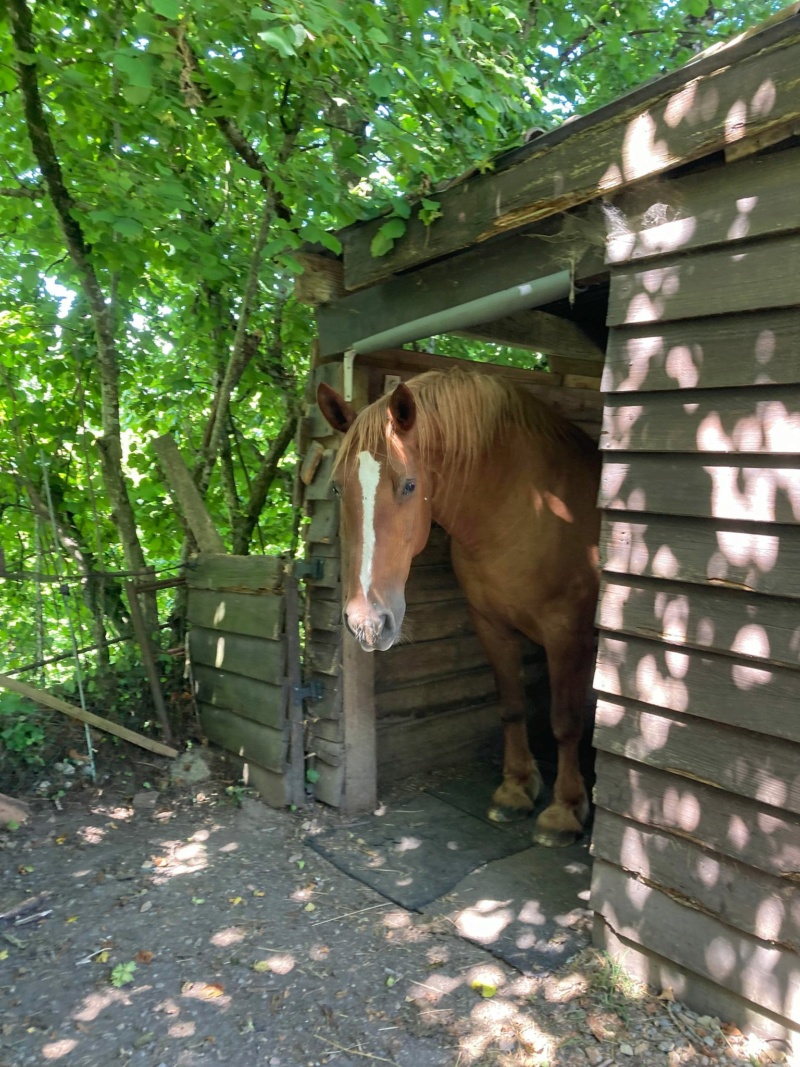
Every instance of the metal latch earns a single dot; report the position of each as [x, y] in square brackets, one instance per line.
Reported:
[312, 691]
[310, 568]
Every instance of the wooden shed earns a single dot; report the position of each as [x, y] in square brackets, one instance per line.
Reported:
[675, 212]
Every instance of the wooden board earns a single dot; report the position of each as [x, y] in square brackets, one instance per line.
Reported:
[253, 574]
[408, 664]
[324, 652]
[756, 556]
[752, 765]
[767, 975]
[244, 737]
[476, 273]
[763, 420]
[748, 278]
[755, 488]
[236, 654]
[237, 613]
[687, 115]
[759, 348]
[705, 996]
[421, 745]
[736, 826]
[751, 694]
[358, 720]
[253, 700]
[539, 331]
[723, 205]
[324, 525]
[755, 902]
[755, 627]
[433, 695]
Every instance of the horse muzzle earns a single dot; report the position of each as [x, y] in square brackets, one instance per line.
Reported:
[376, 627]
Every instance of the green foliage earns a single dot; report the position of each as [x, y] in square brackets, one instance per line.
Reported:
[21, 729]
[122, 974]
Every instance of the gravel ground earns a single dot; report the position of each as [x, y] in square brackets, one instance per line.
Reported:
[187, 924]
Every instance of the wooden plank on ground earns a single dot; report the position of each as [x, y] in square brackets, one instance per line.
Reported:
[749, 694]
[759, 348]
[767, 975]
[721, 205]
[681, 117]
[752, 626]
[237, 654]
[237, 613]
[755, 488]
[756, 556]
[704, 995]
[39, 696]
[753, 765]
[245, 574]
[753, 901]
[733, 825]
[259, 701]
[244, 737]
[743, 278]
[763, 421]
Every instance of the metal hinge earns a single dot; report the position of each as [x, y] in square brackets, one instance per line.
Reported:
[310, 568]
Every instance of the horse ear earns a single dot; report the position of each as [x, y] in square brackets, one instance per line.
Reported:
[339, 414]
[402, 408]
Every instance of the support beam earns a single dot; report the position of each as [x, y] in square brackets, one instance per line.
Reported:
[187, 496]
[490, 268]
[539, 331]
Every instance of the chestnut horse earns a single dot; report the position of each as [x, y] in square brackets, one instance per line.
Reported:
[515, 485]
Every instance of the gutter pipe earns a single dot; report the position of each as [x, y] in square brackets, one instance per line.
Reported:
[520, 297]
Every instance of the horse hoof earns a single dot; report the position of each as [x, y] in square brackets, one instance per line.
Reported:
[556, 838]
[503, 813]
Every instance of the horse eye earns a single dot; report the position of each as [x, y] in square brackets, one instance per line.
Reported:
[409, 486]
[335, 490]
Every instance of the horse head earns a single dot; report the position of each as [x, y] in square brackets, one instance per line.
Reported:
[385, 501]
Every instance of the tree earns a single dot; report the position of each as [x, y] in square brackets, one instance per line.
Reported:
[162, 164]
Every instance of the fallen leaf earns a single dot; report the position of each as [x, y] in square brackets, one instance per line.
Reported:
[202, 990]
[260, 966]
[259, 893]
[484, 988]
[666, 994]
[25, 869]
[61, 840]
[102, 957]
[235, 901]
[310, 907]
[72, 919]
[143, 956]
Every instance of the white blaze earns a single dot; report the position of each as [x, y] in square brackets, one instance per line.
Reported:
[369, 473]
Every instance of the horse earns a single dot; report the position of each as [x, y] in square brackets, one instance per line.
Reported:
[515, 486]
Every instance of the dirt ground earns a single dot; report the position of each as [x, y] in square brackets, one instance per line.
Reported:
[174, 923]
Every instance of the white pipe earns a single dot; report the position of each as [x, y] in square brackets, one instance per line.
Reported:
[485, 309]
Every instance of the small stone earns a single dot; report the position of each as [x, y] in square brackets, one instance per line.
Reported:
[666, 1046]
[594, 1055]
[146, 906]
[709, 1041]
[625, 1049]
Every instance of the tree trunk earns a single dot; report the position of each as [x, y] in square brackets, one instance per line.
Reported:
[110, 444]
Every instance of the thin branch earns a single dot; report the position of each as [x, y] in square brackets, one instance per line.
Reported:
[243, 529]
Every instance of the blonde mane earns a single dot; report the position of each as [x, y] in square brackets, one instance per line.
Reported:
[460, 414]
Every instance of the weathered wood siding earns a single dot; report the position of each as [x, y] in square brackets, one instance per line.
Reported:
[697, 836]
[237, 653]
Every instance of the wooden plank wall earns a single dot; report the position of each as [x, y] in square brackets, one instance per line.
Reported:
[237, 652]
[697, 836]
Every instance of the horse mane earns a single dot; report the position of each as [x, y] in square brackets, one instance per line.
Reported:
[461, 414]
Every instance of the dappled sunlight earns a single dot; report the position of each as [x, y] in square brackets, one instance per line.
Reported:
[92, 835]
[231, 935]
[485, 921]
[182, 1029]
[96, 1003]
[55, 1050]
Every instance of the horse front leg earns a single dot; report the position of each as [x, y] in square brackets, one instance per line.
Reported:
[569, 664]
[515, 797]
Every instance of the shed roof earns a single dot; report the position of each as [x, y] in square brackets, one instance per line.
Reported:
[736, 97]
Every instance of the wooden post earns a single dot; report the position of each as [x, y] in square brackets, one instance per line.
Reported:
[295, 773]
[150, 666]
[187, 495]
